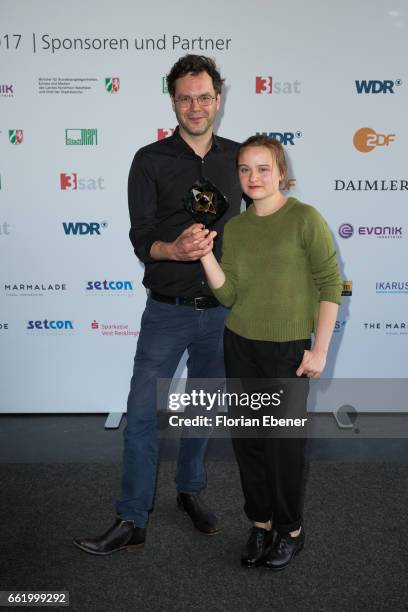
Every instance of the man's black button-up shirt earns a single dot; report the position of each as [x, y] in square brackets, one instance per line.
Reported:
[160, 176]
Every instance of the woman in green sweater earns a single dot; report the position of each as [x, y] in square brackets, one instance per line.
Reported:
[280, 278]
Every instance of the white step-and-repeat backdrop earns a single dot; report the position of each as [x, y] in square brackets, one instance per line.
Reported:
[82, 88]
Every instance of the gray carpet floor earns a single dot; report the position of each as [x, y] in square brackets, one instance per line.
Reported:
[355, 556]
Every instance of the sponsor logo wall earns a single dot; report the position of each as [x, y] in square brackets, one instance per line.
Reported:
[74, 110]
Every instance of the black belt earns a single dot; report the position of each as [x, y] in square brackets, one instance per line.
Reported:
[198, 303]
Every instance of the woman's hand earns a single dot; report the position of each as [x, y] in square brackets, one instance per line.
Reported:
[313, 363]
[207, 243]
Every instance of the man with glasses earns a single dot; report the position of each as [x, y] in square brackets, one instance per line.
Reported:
[181, 312]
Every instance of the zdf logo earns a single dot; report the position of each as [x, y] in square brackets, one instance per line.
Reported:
[367, 139]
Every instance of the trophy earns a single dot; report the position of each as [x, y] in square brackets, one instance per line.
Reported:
[205, 203]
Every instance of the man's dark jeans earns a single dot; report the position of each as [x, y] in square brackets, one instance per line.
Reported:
[167, 330]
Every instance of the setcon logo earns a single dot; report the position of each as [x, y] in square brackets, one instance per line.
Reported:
[109, 285]
[376, 87]
[267, 85]
[50, 326]
[366, 139]
[164, 133]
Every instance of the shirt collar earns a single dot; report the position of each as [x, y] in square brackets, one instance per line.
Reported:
[183, 145]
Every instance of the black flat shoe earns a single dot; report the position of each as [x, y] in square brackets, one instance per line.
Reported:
[203, 518]
[284, 548]
[123, 535]
[258, 544]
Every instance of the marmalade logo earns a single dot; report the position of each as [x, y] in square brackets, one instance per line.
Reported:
[366, 139]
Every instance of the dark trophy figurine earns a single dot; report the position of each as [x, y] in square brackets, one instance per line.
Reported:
[205, 203]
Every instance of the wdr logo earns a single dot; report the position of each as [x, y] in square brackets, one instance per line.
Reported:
[83, 229]
[285, 138]
[376, 87]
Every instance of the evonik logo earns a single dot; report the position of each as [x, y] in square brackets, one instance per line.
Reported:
[71, 182]
[346, 230]
[376, 87]
[80, 228]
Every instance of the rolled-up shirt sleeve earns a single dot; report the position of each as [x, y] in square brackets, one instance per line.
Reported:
[227, 293]
[142, 200]
[322, 257]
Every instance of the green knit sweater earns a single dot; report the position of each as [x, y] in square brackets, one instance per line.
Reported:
[278, 268]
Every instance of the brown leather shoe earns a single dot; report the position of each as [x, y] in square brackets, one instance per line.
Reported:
[123, 535]
[203, 518]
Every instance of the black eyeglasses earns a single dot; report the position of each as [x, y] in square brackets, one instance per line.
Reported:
[203, 100]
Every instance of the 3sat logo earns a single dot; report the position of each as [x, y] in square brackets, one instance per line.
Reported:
[263, 85]
[366, 139]
[164, 133]
[69, 181]
[267, 85]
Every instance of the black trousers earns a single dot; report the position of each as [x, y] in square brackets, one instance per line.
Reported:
[272, 467]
